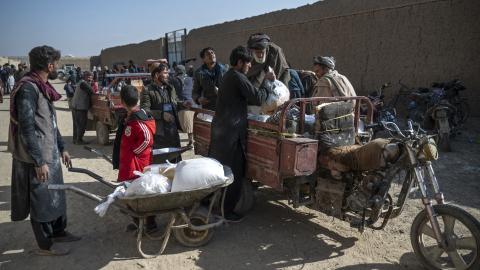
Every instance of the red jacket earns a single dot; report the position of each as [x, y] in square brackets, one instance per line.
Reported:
[136, 145]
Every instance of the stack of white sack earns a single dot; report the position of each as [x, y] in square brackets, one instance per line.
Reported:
[197, 174]
[278, 94]
[148, 183]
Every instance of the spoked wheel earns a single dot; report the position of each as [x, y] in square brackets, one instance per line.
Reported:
[192, 238]
[461, 232]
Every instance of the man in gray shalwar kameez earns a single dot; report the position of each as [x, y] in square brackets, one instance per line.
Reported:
[37, 147]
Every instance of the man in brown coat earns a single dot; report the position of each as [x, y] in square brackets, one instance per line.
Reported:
[329, 82]
[266, 54]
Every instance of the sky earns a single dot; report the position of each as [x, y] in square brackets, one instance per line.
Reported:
[85, 27]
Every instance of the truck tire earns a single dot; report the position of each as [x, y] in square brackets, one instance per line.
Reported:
[103, 133]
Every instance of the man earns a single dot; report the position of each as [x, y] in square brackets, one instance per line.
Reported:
[183, 85]
[5, 73]
[229, 125]
[160, 99]
[22, 70]
[330, 83]
[81, 105]
[37, 146]
[207, 80]
[266, 54]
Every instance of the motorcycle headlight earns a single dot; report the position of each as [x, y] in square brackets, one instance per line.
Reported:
[429, 149]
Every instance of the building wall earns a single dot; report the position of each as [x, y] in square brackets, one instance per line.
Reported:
[137, 52]
[82, 62]
[415, 41]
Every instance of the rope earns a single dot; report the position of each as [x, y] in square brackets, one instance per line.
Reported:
[279, 134]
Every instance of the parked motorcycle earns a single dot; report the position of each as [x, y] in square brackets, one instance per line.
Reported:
[443, 236]
[382, 111]
[440, 109]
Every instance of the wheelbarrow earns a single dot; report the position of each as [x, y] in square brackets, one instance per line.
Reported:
[191, 224]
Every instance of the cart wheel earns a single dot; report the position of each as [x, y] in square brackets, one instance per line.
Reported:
[247, 198]
[103, 133]
[192, 238]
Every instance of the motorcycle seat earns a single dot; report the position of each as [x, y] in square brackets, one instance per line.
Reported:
[371, 156]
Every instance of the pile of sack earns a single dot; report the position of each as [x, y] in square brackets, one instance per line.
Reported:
[186, 175]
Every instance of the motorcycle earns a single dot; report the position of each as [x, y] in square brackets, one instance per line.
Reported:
[440, 109]
[442, 235]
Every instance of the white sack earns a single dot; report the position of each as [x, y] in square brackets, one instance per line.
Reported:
[278, 94]
[148, 183]
[198, 173]
[102, 208]
[165, 169]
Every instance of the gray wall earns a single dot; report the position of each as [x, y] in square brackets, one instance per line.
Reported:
[373, 41]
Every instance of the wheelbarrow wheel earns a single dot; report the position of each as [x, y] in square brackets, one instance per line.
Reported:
[192, 238]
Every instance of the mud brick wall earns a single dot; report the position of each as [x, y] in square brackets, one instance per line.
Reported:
[416, 41]
[138, 52]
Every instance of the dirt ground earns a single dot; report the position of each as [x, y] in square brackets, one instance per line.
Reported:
[273, 236]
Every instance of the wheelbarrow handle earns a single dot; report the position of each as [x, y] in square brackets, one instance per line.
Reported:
[76, 190]
[94, 176]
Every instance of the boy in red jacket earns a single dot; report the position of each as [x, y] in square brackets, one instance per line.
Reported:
[132, 150]
[136, 136]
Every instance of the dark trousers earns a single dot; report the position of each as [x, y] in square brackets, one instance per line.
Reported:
[80, 124]
[232, 195]
[44, 231]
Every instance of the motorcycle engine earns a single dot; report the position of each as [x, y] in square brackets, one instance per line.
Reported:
[363, 192]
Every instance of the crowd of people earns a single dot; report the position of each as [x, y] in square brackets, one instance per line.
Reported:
[153, 120]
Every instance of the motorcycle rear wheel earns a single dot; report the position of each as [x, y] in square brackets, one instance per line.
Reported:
[462, 252]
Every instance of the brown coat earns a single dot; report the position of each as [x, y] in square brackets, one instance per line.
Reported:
[333, 84]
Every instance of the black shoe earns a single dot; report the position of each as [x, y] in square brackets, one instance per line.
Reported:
[66, 237]
[131, 227]
[233, 217]
[82, 142]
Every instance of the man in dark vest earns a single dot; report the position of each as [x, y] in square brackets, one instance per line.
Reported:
[81, 104]
[37, 149]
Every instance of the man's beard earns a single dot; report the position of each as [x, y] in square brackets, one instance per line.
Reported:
[260, 60]
[53, 75]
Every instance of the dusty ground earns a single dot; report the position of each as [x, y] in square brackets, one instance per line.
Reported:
[273, 236]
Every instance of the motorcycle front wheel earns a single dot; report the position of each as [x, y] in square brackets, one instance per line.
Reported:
[461, 232]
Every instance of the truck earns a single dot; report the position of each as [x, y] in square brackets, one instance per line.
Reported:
[107, 109]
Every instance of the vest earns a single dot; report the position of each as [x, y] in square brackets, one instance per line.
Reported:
[45, 131]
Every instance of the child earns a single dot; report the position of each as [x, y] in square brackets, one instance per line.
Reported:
[133, 143]
[134, 136]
